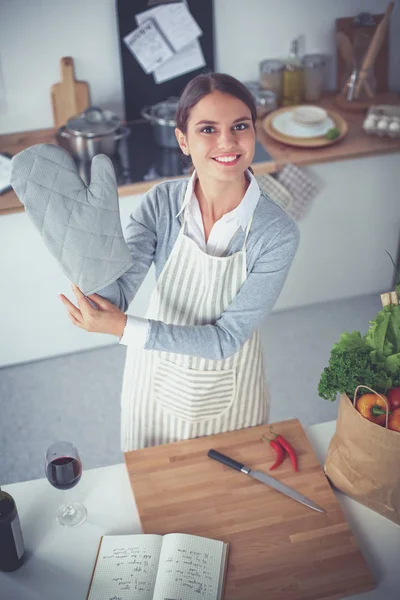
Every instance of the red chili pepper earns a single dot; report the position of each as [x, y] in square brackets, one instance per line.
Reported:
[288, 447]
[279, 451]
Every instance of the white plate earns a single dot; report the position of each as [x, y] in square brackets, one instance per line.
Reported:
[284, 123]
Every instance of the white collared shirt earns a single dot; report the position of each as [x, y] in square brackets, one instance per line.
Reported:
[225, 228]
[221, 234]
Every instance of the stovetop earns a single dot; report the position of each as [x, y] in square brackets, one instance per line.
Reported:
[140, 158]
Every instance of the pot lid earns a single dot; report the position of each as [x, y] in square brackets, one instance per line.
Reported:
[94, 121]
[162, 113]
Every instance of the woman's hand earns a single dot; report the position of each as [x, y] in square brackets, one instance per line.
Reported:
[104, 317]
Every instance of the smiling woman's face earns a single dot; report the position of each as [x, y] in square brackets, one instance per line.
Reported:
[220, 137]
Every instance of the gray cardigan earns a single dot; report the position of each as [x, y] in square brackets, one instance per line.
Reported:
[151, 234]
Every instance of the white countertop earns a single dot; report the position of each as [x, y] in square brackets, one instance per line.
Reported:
[60, 561]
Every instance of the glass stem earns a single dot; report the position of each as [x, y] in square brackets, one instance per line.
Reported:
[68, 509]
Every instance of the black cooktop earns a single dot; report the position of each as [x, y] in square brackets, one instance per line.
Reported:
[140, 158]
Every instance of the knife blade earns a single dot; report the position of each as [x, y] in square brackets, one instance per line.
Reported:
[264, 478]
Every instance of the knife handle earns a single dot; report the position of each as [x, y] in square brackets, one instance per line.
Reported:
[225, 460]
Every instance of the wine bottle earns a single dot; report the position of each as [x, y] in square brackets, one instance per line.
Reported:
[12, 546]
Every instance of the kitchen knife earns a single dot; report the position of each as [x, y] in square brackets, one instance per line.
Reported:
[264, 478]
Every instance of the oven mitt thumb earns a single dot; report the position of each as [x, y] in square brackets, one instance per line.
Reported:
[80, 225]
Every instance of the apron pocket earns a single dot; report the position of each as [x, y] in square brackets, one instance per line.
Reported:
[193, 395]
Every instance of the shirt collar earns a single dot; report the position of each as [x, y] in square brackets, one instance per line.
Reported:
[243, 212]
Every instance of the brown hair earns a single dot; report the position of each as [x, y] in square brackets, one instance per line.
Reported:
[204, 84]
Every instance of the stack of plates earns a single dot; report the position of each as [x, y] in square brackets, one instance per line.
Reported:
[304, 125]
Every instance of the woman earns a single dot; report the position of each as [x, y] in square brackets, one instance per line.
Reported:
[222, 251]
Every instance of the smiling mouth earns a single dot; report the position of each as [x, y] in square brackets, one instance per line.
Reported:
[230, 159]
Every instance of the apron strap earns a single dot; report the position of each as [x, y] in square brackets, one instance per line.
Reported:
[247, 233]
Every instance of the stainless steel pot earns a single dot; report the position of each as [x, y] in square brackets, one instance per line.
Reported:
[162, 118]
[95, 131]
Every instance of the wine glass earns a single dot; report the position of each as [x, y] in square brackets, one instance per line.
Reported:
[63, 469]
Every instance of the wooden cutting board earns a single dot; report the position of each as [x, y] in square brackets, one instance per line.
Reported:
[69, 97]
[279, 549]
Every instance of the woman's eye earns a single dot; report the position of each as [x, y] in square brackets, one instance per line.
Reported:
[207, 129]
[241, 126]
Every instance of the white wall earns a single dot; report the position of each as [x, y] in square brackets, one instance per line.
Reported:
[35, 34]
[354, 219]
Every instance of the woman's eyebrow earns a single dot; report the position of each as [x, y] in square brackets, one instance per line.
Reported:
[207, 122]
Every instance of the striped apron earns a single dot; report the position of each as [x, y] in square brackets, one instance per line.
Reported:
[167, 396]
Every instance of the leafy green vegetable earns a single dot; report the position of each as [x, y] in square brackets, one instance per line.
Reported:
[349, 366]
[376, 336]
[332, 133]
[372, 360]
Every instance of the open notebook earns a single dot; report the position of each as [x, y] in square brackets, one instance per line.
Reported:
[176, 566]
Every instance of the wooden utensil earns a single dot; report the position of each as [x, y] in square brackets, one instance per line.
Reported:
[69, 97]
[374, 47]
[317, 142]
[351, 27]
[279, 549]
[353, 58]
[345, 48]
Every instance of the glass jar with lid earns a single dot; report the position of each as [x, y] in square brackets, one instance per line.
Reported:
[314, 76]
[265, 100]
[271, 76]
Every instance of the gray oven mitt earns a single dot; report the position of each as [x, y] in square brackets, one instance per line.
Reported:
[80, 225]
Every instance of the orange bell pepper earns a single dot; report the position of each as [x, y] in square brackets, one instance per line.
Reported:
[394, 420]
[372, 407]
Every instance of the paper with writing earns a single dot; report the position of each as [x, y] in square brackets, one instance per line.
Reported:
[175, 22]
[126, 567]
[148, 45]
[188, 59]
[190, 568]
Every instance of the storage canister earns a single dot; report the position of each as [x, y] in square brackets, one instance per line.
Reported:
[314, 76]
[271, 76]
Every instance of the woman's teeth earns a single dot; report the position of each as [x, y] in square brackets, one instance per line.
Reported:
[226, 159]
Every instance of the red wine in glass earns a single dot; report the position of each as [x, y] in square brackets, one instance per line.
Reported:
[64, 472]
[63, 468]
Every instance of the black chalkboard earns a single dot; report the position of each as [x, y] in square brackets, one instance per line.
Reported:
[140, 89]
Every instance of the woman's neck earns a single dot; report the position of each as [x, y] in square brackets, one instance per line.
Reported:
[216, 198]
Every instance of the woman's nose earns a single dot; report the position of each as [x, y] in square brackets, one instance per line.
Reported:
[226, 140]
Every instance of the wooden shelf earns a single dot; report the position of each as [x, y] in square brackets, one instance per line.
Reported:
[356, 144]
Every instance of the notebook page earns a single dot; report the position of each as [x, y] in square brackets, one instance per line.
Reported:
[126, 567]
[189, 568]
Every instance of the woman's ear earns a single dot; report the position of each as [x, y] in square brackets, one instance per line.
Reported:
[180, 136]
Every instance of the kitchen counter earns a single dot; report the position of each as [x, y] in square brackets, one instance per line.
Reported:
[62, 559]
[144, 161]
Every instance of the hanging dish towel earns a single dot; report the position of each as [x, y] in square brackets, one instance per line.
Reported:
[302, 188]
[271, 187]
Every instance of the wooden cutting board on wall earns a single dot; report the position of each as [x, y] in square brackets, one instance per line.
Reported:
[69, 97]
[279, 549]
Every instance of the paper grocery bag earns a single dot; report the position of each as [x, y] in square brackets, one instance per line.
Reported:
[363, 461]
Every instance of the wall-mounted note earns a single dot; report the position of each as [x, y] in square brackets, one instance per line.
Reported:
[148, 45]
[176, 566]
[176, 23]
[182, 32]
